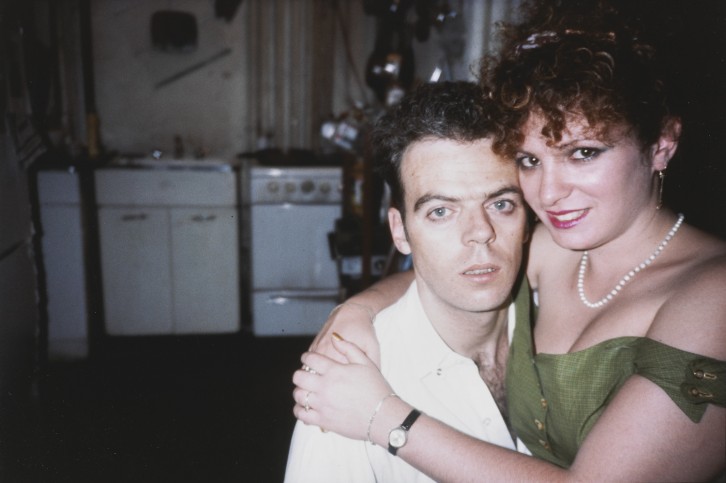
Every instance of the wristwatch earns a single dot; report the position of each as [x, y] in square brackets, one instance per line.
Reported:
[399, 435]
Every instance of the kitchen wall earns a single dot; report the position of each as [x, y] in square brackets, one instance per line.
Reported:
[204, 107]
[269, 76]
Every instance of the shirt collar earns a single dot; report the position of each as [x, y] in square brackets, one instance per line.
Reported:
[428, 350]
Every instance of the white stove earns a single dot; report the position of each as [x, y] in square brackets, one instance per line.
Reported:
[294, 280]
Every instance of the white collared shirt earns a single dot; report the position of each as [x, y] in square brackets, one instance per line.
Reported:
[424, 372]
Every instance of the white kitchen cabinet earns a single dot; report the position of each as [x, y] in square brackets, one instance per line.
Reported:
[169, 251]
[136, 270]
[206, 286]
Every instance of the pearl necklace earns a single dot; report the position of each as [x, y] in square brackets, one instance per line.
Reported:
[628, 276]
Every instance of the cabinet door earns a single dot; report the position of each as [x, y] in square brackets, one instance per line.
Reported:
[136, 267]
[205, 266]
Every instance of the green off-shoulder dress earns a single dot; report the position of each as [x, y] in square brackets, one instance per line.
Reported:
[555, 399]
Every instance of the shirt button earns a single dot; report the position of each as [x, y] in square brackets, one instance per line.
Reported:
[544, 444]
[539, 424]
[439, 371]
[543, 402]
[487, 421]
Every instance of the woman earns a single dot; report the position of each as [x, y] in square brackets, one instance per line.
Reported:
[622, 376]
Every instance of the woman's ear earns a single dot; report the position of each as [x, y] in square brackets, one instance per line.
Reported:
[398, 231]
[664, 149]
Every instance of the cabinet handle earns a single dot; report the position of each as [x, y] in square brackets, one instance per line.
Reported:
[134, 217]
[202, 218]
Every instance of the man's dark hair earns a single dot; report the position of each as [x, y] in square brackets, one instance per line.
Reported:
[455, 111]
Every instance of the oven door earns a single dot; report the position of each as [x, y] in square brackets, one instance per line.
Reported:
[291, 313]
[295, 281]
[290, 246]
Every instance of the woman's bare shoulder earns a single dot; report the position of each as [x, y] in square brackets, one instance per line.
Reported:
[704, 262]
[693, 318]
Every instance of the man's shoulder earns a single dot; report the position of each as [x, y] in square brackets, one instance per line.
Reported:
[390, 322]
[404, 335]
[397, 313]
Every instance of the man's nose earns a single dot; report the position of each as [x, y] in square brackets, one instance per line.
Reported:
[480, 229]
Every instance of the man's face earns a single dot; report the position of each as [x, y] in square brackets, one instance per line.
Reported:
[465, 224]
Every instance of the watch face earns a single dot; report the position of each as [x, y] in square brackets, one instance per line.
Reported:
[397, 437]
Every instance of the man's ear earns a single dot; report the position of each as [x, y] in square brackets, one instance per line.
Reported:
[664, 149]
[398, 231]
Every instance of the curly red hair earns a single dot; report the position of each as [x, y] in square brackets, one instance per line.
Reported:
[577, 59]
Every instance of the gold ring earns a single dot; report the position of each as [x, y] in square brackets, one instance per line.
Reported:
[309, 369]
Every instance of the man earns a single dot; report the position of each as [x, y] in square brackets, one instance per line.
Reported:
[457, 209]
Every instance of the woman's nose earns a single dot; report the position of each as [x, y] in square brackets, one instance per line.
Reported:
[552, 185]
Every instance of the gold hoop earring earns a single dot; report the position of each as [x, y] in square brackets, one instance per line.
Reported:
[661, 176]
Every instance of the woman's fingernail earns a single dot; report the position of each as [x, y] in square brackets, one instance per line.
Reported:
[337, 336]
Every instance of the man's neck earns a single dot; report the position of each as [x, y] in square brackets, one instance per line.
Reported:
[478, 336]
[482, 337]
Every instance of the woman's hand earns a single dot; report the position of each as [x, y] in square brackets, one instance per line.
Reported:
[339, 397]
[353, 321]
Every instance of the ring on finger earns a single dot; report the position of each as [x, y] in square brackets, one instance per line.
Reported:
[309, 369]
[307, 402]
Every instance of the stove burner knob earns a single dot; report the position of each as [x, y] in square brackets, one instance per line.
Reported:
[273, 187]
[307, 186]
[325, 187]
[290, 187]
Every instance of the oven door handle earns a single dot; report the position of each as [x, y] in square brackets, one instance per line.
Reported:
[284, 299]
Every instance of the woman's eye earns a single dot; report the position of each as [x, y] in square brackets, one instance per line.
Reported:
[525, 161]
[585, 153]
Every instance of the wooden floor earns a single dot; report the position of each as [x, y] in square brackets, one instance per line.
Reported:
[206, 409]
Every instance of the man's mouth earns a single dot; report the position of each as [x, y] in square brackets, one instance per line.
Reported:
[480, 271]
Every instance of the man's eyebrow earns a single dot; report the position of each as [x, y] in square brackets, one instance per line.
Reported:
[506, 190]
[429, 197]
[509, 189]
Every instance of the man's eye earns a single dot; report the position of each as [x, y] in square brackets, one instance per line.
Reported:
[504, 205]
[438, 212]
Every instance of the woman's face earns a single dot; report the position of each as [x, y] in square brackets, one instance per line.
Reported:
[588, 188]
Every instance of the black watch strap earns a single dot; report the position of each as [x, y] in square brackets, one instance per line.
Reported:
[410, 419]
[405, 426]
